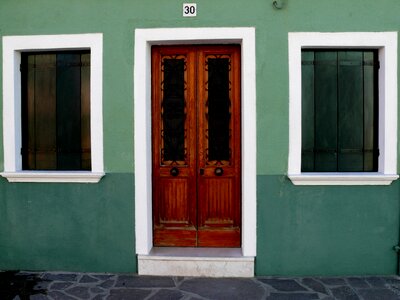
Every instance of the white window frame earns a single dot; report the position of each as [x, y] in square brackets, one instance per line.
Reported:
[144, 39]
[386, 44]
[13, 46]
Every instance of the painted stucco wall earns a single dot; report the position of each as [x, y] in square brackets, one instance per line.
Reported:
[301, 230]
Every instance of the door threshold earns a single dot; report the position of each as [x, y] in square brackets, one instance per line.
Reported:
[198, 262]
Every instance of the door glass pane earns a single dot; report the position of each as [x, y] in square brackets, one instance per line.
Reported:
[173, 111]
[218, 109]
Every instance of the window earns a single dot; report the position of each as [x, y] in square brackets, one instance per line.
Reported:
[52, 108]
[342, 108]
[339, 111]
[55, 110]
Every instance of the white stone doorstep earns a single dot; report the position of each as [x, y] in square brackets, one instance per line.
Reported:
[196, 266]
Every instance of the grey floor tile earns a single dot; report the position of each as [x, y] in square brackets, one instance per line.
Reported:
[97, 290]
[109, 283]
[42, 285]
[375, 281]
[39, 297]
[223, 288]
[287, 285]
[79, 292]
[59, 296]
[60, 276]
[88, 279]
[103, 276]
[314, 285]
[165, 294]
[344, 293]
[332, 281]
[128, 294]
[357, 282]
[378, 294]
[293, 296]
[135, 281]
[60, 286]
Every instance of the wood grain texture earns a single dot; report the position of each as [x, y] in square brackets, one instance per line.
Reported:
[196, 207]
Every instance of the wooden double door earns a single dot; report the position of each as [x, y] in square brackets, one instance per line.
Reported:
[196, 146]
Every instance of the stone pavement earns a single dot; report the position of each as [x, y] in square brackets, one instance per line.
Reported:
[60, 285]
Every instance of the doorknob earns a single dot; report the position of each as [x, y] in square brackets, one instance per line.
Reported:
[218, 171]
[174, 171]
[201, 171]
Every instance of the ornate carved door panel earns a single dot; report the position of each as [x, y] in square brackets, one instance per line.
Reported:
[196, 146]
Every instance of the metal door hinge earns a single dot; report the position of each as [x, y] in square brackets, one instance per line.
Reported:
[396, 248]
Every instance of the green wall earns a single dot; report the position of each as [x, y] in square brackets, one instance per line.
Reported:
[326, 230]
[301, 230]
[86, 227]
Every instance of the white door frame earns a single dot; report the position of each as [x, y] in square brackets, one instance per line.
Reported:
[144, 39]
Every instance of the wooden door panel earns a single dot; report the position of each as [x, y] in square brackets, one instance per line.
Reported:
[217, 202]
[175, 237]
[174, 212]
[219, 193]
[173, 129]
[224, 238]
[196, 130]
[174, 202]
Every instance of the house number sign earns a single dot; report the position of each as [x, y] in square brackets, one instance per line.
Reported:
[189, 9]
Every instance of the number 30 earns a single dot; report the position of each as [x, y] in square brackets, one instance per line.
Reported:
[189, 10]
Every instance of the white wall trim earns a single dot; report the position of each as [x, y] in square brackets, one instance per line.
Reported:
[56, 176]
[144, 38]
[12, 48]
[386, 42]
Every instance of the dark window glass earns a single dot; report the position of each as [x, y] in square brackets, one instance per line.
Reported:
[56, 111]
[339, 111]
[218, 109]
[173, 110]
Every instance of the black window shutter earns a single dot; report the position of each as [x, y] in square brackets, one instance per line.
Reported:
[56, 111]
[339, 111]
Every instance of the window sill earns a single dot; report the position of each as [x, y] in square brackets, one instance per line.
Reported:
[342, 178]
[53, 176]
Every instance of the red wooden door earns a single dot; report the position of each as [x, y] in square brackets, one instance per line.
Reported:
[196, 146]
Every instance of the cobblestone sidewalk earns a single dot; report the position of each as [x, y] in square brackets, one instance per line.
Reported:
[38, 286]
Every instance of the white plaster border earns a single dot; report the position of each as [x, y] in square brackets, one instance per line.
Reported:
[386, 43]
[144, 39]
[12, 48]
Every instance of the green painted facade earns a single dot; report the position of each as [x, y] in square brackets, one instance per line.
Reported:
[301, 230]
[325, 230]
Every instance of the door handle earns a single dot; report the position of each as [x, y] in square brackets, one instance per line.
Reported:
[174, 171]
[218, 171]
[201, 171]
